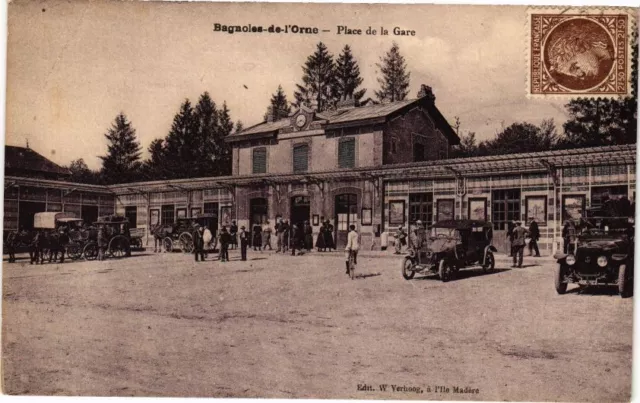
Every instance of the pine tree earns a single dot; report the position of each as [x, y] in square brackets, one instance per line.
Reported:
[348, 77]
[122, 162]
[318, 80]
[223, 151]
[239, 127]
[394, 83]
[279, 106]
[154, 167]
[180, 155]
[206, 120]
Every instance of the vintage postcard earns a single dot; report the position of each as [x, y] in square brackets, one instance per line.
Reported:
[333, 201]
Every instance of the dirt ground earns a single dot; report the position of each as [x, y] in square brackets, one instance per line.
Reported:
[297, 327]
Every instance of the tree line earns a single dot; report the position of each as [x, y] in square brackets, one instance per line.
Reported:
[195, 146]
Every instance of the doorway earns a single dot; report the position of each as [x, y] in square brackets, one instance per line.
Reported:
[300, 210]
[89, 214]
[346, 215]
[505, 207]
[258, 211]
[27, 211]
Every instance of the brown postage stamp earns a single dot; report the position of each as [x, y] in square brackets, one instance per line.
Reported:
[578, 53]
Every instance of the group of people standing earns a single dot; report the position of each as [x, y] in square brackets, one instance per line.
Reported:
[298, 236]
[518, 235]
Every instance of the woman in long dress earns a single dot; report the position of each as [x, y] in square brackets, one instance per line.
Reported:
[328, 236]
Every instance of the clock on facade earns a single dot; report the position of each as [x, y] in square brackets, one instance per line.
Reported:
[301, 120]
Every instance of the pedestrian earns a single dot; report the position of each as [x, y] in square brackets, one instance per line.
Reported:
[353, 244]
[207, 238]
[244, 242]
[328, 236]
[519, 235]
[279, 231]
[534, 233]
[510, 227]
[401, 240]
[295, 235]
[308, 236]
[198, 242]
[266, 235]
[320, 245]
[35, 247]
[127, 233]
[286, 235]
[225, 240]
[257, 237]
[233, 232]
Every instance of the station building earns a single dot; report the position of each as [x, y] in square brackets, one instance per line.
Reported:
[375, 166]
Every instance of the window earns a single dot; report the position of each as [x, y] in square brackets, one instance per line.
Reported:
[211, 208]
[418, 152]
[167, 214]
[421, 207]
[347, 153]
[301, 158]
[131, 212]
[505, 207]
[260, 160]
[394, 145]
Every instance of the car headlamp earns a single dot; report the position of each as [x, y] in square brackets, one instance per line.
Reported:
[602, 261]
[571, 260]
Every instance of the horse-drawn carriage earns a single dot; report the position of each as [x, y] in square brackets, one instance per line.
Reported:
[51, 236]
[179, 235]
[118, 237]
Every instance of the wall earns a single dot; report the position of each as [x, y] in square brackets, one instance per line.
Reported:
[404, 130]
[323, 153]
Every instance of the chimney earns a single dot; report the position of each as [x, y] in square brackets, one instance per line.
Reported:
[348, 102]
[426, 92]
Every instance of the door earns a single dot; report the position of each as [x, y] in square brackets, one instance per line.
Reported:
[89, 214]
[131, 212]
[346, 209]
[505, 207]
[211, 208]
[27, 211]
[258, 211]
[300, 210]
[167, 214]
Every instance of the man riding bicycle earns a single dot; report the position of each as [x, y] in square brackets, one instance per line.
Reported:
[353, 244]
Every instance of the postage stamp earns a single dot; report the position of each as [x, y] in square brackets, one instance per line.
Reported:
[579, 53]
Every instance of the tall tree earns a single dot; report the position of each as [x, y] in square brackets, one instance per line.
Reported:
[608, 121]
[318, 80]
[181, 144]
[222, 148]
[348, 77]
[154, 168]
[122, 162]
[207, 120]
[81, 173]
[521, 138]
[278, 107]
[394, 83]
[239, 127]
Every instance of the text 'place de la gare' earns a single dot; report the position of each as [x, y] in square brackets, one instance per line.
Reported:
[378, 166]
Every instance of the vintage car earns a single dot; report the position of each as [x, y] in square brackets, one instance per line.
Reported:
[601, 254]
[179, 235]
[450, 246]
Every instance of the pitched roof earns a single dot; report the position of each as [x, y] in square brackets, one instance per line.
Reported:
[25, 159]
[373, 113]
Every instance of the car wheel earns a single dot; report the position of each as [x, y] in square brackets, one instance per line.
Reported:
[407, 269]
[490, 263]
[625, 284]
[444, 270]
[561, 284]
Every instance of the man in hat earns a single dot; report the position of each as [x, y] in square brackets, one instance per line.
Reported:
[233, 232]
[198, 242]
[519, 235]
[534, 232]
[244, 242]
[225, 240]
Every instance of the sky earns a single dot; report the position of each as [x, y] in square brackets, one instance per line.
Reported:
[73, 66]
